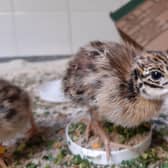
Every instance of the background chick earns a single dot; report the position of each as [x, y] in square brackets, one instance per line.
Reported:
[118, 84]
[15, 112]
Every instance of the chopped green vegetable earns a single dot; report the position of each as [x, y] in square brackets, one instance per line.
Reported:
[76, 160]
[143, 161]
[21, 147]
[31, 165]
[61, 155]
[164, 165]
[76, 129]
[82, 163]
[48, 157]
[47, 166]
[50, 143]
[126, 133]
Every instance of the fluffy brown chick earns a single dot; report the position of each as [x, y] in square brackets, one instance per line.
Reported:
[15, 112]
[117, 83]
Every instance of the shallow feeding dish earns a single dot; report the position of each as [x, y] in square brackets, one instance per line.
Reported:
[99, 156]
[51, 91]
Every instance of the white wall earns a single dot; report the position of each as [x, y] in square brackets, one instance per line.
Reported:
[53, 27]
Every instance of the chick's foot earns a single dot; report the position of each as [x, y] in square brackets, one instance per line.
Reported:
[95, 127]
[2, 163]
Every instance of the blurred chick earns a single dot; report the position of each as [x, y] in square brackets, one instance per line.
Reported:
[118, 84]
[15, 113]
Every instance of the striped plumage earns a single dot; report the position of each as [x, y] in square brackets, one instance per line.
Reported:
[152, 67]
[126, 86]
[15, 111]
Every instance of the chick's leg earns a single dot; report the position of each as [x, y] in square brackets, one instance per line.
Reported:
[97, 129]
[2, 162]
[33, 130]
[88, 124]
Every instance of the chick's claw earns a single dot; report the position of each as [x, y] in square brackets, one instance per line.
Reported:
[2, 163]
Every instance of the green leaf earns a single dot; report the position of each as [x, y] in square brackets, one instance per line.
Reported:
[164, 165]
[31, 165]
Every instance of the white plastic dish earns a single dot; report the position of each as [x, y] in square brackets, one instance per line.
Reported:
[51, 91]
[99, 156]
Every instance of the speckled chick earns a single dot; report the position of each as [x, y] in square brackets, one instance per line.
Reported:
[122, 85]
[15, 111]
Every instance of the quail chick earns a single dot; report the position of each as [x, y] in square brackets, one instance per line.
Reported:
[15, 112]
[118, 84]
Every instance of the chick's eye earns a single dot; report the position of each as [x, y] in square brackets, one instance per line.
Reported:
[155, 75]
